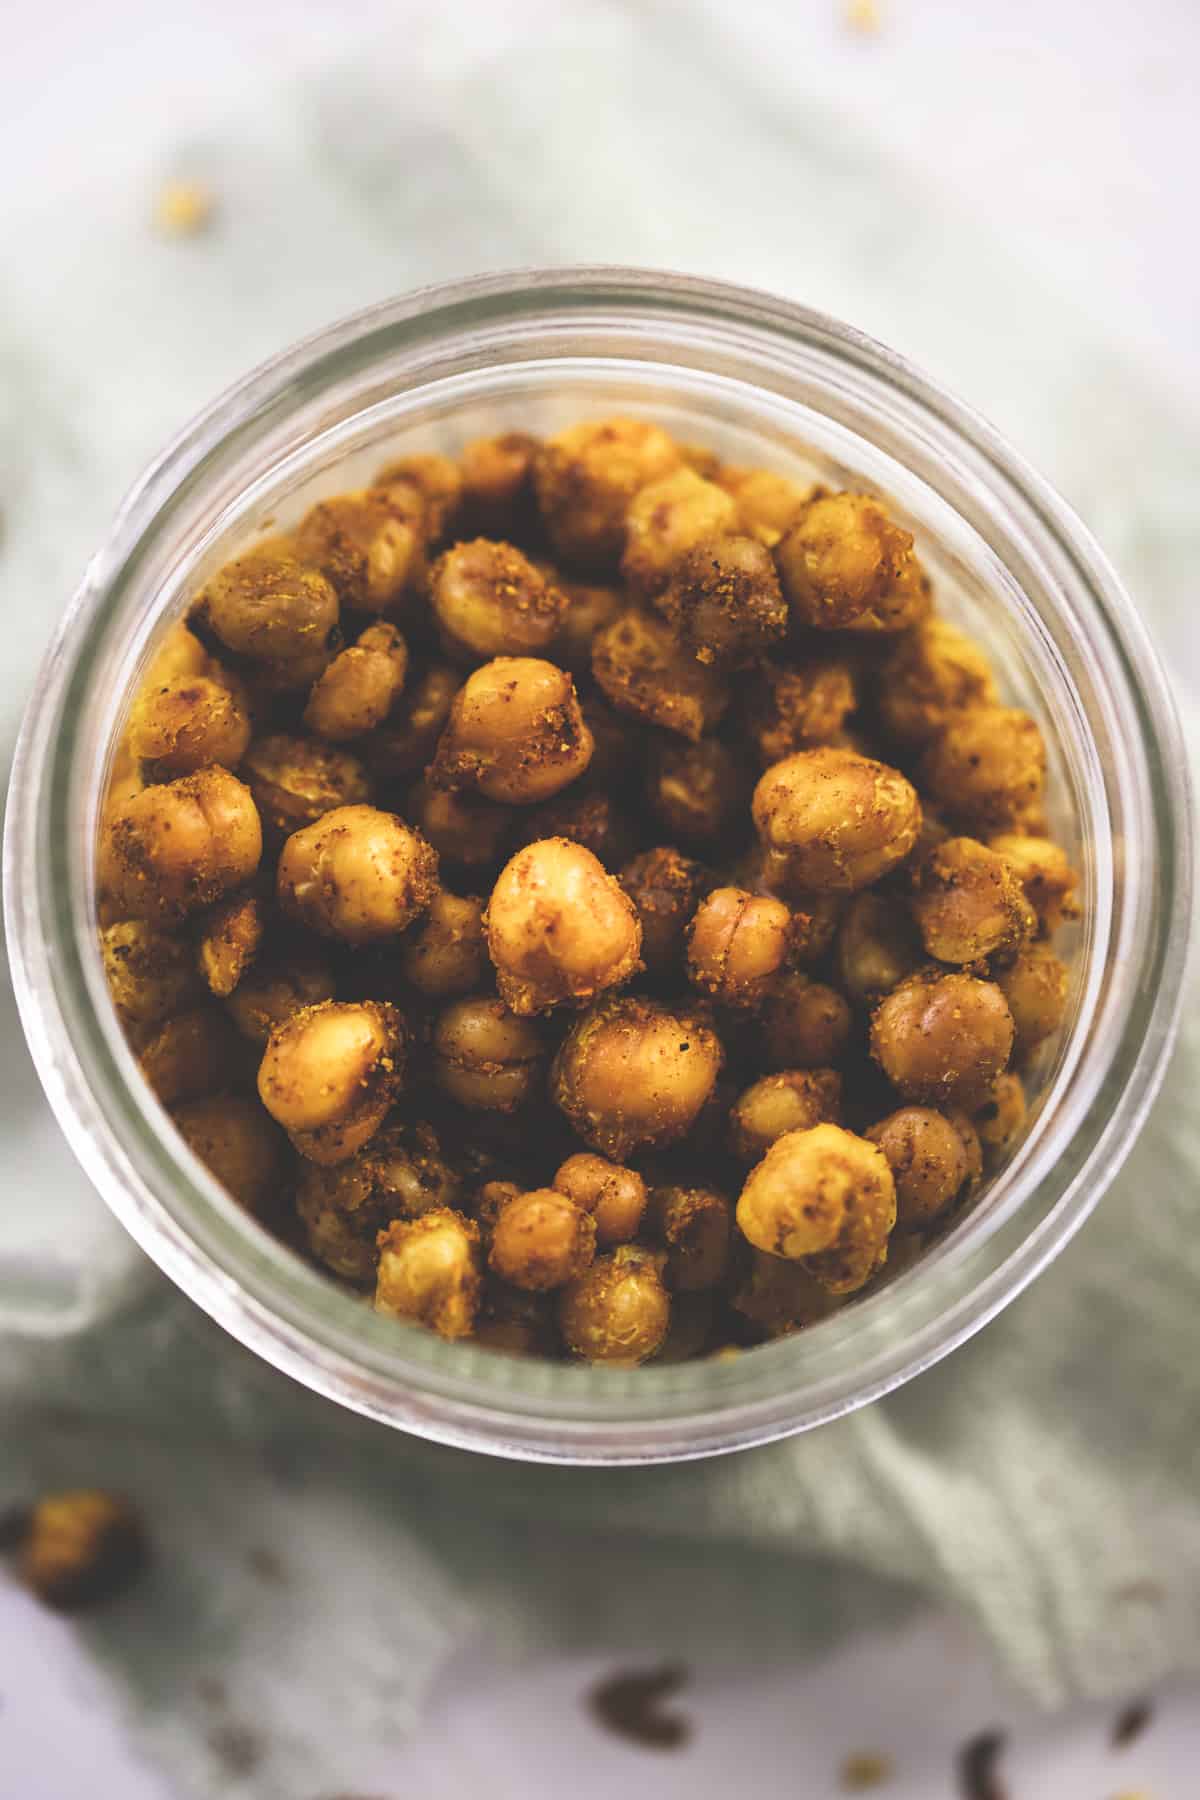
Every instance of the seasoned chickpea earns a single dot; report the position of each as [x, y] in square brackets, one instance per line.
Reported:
[666, 519]
[790, 709]
[584, 814]
[817, 1191]
[1044, 871]
[589, 608]
[436, 479]
[497, 482]
[793, 1100]
[942, 1039]
[403, 746]
[229, 939]
[839, 820]
[430, 1272]
[928, 1160]
[446, 954]
[488, 1202]
[515, 733]
[969, 903]
[462, 828]
[999, 1120]
[401, 1174]
[586, 477]
[542, 1240]
[802, 1024]
[358, 874]
[986, 767]
[768, 504]
[694, 1225]
[330, 1073]
[700, 792]
[191, 1054]
[369, 545]
[179, 655]
[615, 1197]
[736, 944]
[181, 846]
[149, 973]
[485, 1057]
[877, 946]
[356, 691]
[490, 600]
[619, 1310]
[666, 889]
[724, 600]
[632, 1075]
[934, 672]
[781, 1297]
[272, 610]
[281, 984]
[560, 928]
[815, 917]
[186, 723]
[1035, 985]
[238, 1143]
[846, 566]
[294, 782]
[644, 670]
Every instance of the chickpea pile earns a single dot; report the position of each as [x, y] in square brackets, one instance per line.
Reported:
[583, 897]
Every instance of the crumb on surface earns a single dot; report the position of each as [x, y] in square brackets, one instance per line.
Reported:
[1131, 1722]
[978, 1772]
[184, 208]
[629, 1705]
[865, 1769]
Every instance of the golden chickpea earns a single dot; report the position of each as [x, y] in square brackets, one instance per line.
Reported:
[645, 671]
[736, 944]
[802, 1024]
[271, 609]
[723, 599]
[181, 846]
[489, 600]
[877, 946]
[632, 1074]
[430, 1272]
[435, 478]
[781, 1297]
[515, 733]
[186, 723]
[815, 917]
[790, 709]
[839, 819]
[1035, 985]
[356, 691]
[295, 781]
[191, 1054]
[969, 904]
[589, 609]
[462, 828]
[793, 1100]
[485, 1057]
[846, 566]
[585, 478]
[149, 974]
[497, 482]
[619, 1310]
[700, 792]
[928, 1160]
[330, 1073]
[560, 929]
[934, 672]
[615, 1197]
[666, 888]
[1044, 871]
[401, 1174]
[942, 1039]
[542, 1240]
[768, 503]
[282, 984]
[358, 874]
[694, 1225]
[238, 1144]
[179, 655]
[986, 766]
[665, 520]
[816, 1191]
[81, 1548]
[229, 939]
[369, 545]
[446, 954]
[488, 1202]
[999, 1120]
[404, 745]
[584, 814]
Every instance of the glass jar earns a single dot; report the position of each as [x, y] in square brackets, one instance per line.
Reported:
[763, 381]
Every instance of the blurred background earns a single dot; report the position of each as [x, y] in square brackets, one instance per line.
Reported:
[1005, 194]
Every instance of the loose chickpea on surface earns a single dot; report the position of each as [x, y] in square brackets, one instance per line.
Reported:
[793, 1100]
[542, 1240]
[295, 782]
[619, 1310]
[330, 1073]
[430, 1272]
[81, 1548]
[928, 1160]
[723, 599]
[839, 820]
[1001, 1116]
[560, 928]
[736, 944]
[497, 482]
[191, 1054]
[632, 1074]
[818, 1191]
[643, 670]
[445, 954]
[877, 947]
[699, 793]
[356, 692]
[986, 767]
[796, 708]
[666, 889]
[515, 733]
[585, 478]
[181, 846]
[358, 874]
[282, 983]
[615, 1197]
[935, 671]
[802, 1024]
[969, 904]
[665, 520]
[150, 974]
[694, 1225]
[485, 1057]
[846, 566]
[239, 1144]
[400, 1174]
[489, 600]
[369, 545]
[1044, 871]
[186, 723]
[942, 1038]
[1035, 985]
[229, 938]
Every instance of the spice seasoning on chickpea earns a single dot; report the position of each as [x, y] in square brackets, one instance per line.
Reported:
[877, 946]
[560, 928]
[400, 1174]
[542, 1240]
[370, 546]
[446, 953]
[587, 476]
[699, 793]
[666, 889]
[1035, 984]
[793, 1100]
[942, 1037]
[619, 1310]
[694, 1225]
[489, 600]
[178, 847]
[969, 904]
[358, 689]
[515, 733]
[644, 670]
[632, 1074]
[665, 520]
[229, 939]
[929, 1163]
[295, 781]
[429, 1272]
[846, 566]
[838, 819]
[357, 874]
[1000, 1118]
[615, 1197]
[484, 1056]
[986, 767]
[330, 1073]
[796, 708]
[736, 944]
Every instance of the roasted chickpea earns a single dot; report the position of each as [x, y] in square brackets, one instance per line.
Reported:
[295, 782]
[1035, 985]
[942, 1039]
[644, 670]
[846, 566]
[190, 1055]
[584, 814]
[186, 723]
[736, 945]
[404, 745]
[179, 655]
[446, 954]
[839, 820]
[488, 1202]
[585, 478]
[969, 904]
[436, 479]
[273, 611]
[369, 545]
[802, 1024]
[1044, 871]
[560, 929]
[700, 792]
[515, 733]
[632, 1075]
[818, 1191]
[485, 1057]
[330, 1073]
[356, 691]
[666, 519]
[723, 599]
[666, 888]
[542, 1240]
[694, 1225]
[934, 672]
[928, 1160]
[489, 600]
[358, 874]
[781, 1297]
[767, 503]
[589, 608]
[401, 1174]
[986, 767]
[239, 1144]
[149, 973]
[462, 828]
[999, 1120]
[815, 917]
[81, 1548]
[497, 483]
[430, 1272]
[790, 709]
[282, 984]
[618, 1311]
[615, 1197]
[793, 1100]
[229, 939]
[877, 946]
[179, 847]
